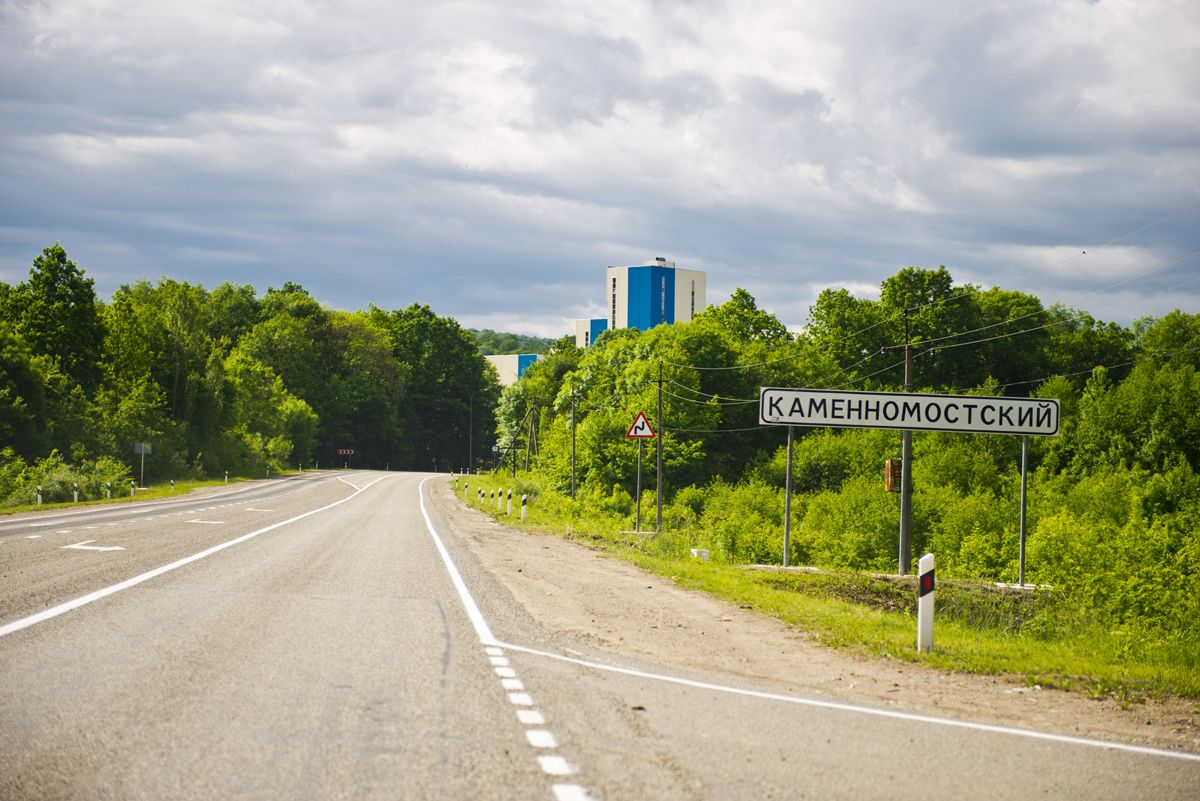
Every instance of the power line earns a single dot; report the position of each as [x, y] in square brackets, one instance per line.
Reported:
[1157, 357]
[1047, 325]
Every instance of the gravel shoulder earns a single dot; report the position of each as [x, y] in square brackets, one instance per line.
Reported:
[589, 598]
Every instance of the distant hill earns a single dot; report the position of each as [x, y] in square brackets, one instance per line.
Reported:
[496, 342]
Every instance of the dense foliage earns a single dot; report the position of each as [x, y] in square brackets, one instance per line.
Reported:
[494, 342]
[223, 380]
[1114, 502]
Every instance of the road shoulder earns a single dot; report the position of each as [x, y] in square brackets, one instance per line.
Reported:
[592, 600]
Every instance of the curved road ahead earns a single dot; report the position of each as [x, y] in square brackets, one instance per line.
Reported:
[328, 637]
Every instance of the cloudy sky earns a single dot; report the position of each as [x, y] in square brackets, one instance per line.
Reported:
[490, 159]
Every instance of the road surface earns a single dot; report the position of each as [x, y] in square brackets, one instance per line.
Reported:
[330, 637]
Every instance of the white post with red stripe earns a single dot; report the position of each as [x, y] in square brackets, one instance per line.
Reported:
[925, 604]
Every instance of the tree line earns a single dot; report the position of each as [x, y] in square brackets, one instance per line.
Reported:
[1114, 500]
[224, 380]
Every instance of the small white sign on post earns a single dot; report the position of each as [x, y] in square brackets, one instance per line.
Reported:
[925, 604]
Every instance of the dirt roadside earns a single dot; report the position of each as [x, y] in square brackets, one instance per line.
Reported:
[596, 600]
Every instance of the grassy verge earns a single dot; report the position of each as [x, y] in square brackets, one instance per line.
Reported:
[121, 495]
[979, 630]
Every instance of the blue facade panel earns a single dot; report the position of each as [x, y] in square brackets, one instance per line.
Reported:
[523, 362]
[651, 296]
[598, 326]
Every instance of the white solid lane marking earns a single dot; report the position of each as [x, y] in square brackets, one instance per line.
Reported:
[570, 792]
[476, 617]
[39, 525]
[864, 710]
[531, 717]
[92, 597]
[209, 522]
[555, 765]
[252, 509]
[540, 738]
[520, 699]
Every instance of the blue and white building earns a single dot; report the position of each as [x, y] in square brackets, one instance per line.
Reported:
[510, 367]
[645, 295]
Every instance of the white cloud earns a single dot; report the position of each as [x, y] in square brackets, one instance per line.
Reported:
[783, 147]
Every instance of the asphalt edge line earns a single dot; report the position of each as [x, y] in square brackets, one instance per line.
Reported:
[84, 600]
[482, 630]
[864, 710]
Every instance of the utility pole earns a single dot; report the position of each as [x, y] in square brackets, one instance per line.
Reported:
[906, 465]
[659, 442]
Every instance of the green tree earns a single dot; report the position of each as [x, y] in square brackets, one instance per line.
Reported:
[22, 396]
[56, 313]
[450, 384]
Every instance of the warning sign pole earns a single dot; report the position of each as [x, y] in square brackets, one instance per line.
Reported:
[637, 520]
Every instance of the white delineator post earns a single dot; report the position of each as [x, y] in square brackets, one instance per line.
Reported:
[925, 604]
[524, 498]
[510, 503]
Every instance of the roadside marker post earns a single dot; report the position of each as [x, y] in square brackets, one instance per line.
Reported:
[925, 604]
[39, 495]
[76, 491]
[510, 503]
[524, 499]
[108, 489]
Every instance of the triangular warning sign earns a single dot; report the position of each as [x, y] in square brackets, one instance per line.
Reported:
[641, 428]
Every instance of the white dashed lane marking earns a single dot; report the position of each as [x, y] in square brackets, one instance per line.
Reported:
[528, 715]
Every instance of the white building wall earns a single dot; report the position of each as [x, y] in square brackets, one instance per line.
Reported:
[582, 329]
[506, 367]
[616, 297]
[690, 293]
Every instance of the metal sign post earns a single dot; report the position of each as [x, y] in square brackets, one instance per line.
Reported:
[787, 499]
[641, 431]
[143, 448]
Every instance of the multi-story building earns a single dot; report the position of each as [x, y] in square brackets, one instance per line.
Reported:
[512, 366]
[645, 295]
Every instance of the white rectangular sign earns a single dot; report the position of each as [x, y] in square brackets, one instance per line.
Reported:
[907, 411]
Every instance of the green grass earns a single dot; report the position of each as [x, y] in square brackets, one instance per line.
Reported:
[121, 495]
[1029, 637]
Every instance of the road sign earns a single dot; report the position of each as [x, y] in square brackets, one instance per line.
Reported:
[641, 428]
[908, 411]
[345, 451]
[141, 447]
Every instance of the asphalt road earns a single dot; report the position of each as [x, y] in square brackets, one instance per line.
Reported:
[326, 638]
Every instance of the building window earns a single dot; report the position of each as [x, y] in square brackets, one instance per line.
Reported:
[693, 298]
[614, 305]
[662, 298]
